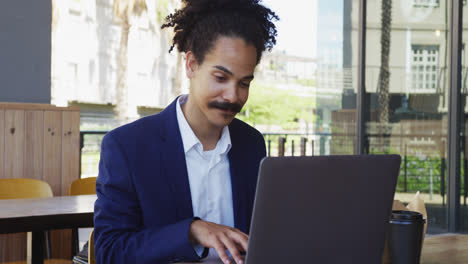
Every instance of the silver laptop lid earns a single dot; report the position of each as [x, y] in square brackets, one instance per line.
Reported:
[326, 209]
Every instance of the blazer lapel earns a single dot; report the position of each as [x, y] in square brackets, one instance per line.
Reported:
[238, 183]
[175, 167]
[174, 163]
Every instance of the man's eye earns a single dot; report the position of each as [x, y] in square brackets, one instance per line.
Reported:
[220, 78]
[245, 85]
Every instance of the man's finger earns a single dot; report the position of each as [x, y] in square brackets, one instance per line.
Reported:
[238, 231]
[241, 239]
[221, 250]
[240, 248]
[242, 234]
[232, 247]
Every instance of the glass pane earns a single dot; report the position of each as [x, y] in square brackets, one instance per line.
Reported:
[413, 122]
[464, 134]
[306, 87]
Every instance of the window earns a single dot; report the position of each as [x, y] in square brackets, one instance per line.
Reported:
[75, 7]
[426, 3]
[72, 72]
[424, 67]
[91, 71]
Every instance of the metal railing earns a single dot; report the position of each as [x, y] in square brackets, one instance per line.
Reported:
[424, 173]
[278, 144]
[90, 149]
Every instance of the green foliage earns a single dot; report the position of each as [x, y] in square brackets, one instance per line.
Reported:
[306, 82]
[90, 164]
[418, 173]
[162, 10]
[268, 105]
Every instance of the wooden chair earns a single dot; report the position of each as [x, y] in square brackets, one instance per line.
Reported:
[81, 187]
[21, 188]
[24, 188]
[91, 259]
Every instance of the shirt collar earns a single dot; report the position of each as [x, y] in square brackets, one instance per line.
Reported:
[224, 144]
[190, 140]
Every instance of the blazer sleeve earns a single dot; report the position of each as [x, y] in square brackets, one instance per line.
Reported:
[119, 234]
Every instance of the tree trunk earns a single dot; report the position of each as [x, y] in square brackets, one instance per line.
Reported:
[121, 109]
[384, 75]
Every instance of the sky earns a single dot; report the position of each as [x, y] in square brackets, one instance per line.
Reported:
[309, 28]
[297, 27]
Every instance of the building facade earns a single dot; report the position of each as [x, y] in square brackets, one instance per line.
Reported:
[86, 39]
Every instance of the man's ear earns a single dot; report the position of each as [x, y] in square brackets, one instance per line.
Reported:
[191, 64]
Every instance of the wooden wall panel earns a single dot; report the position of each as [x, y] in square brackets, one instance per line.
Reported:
[13, 246]
[61, 244]
[34, 153]
[41, 142]
[2, 143]
[52, 150]
[61, 240]
[70, 149]
[14, 143]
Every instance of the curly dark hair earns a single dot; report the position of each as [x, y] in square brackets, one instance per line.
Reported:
[200, 22]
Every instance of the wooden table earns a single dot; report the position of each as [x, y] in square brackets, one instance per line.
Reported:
[445, 249]
[440, 249]
[39, 215]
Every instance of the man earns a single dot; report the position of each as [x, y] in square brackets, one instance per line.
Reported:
[173, 185]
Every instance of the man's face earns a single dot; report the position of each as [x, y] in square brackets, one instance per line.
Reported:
[219, 87]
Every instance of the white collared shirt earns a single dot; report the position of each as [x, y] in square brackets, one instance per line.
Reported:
[208, 174]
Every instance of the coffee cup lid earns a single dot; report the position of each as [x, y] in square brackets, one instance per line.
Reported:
[406, 215]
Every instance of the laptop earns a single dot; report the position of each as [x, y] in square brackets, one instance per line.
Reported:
[325, 209]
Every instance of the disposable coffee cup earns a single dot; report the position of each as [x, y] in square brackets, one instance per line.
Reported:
[405, 236]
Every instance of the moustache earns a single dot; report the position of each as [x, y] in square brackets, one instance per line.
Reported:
[233, 107]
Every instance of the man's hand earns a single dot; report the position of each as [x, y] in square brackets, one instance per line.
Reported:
[220, 238]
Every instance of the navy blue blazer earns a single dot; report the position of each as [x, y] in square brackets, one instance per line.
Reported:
[144, 209]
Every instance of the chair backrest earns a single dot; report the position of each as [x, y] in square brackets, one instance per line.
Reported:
[21, 188]
[83, 186]
[91, 259]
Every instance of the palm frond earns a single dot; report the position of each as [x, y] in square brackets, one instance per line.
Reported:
[127, 8]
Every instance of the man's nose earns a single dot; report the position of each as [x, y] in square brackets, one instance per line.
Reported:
[230, 93]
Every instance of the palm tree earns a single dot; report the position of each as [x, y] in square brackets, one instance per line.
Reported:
[384, 75]
[123, 10]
